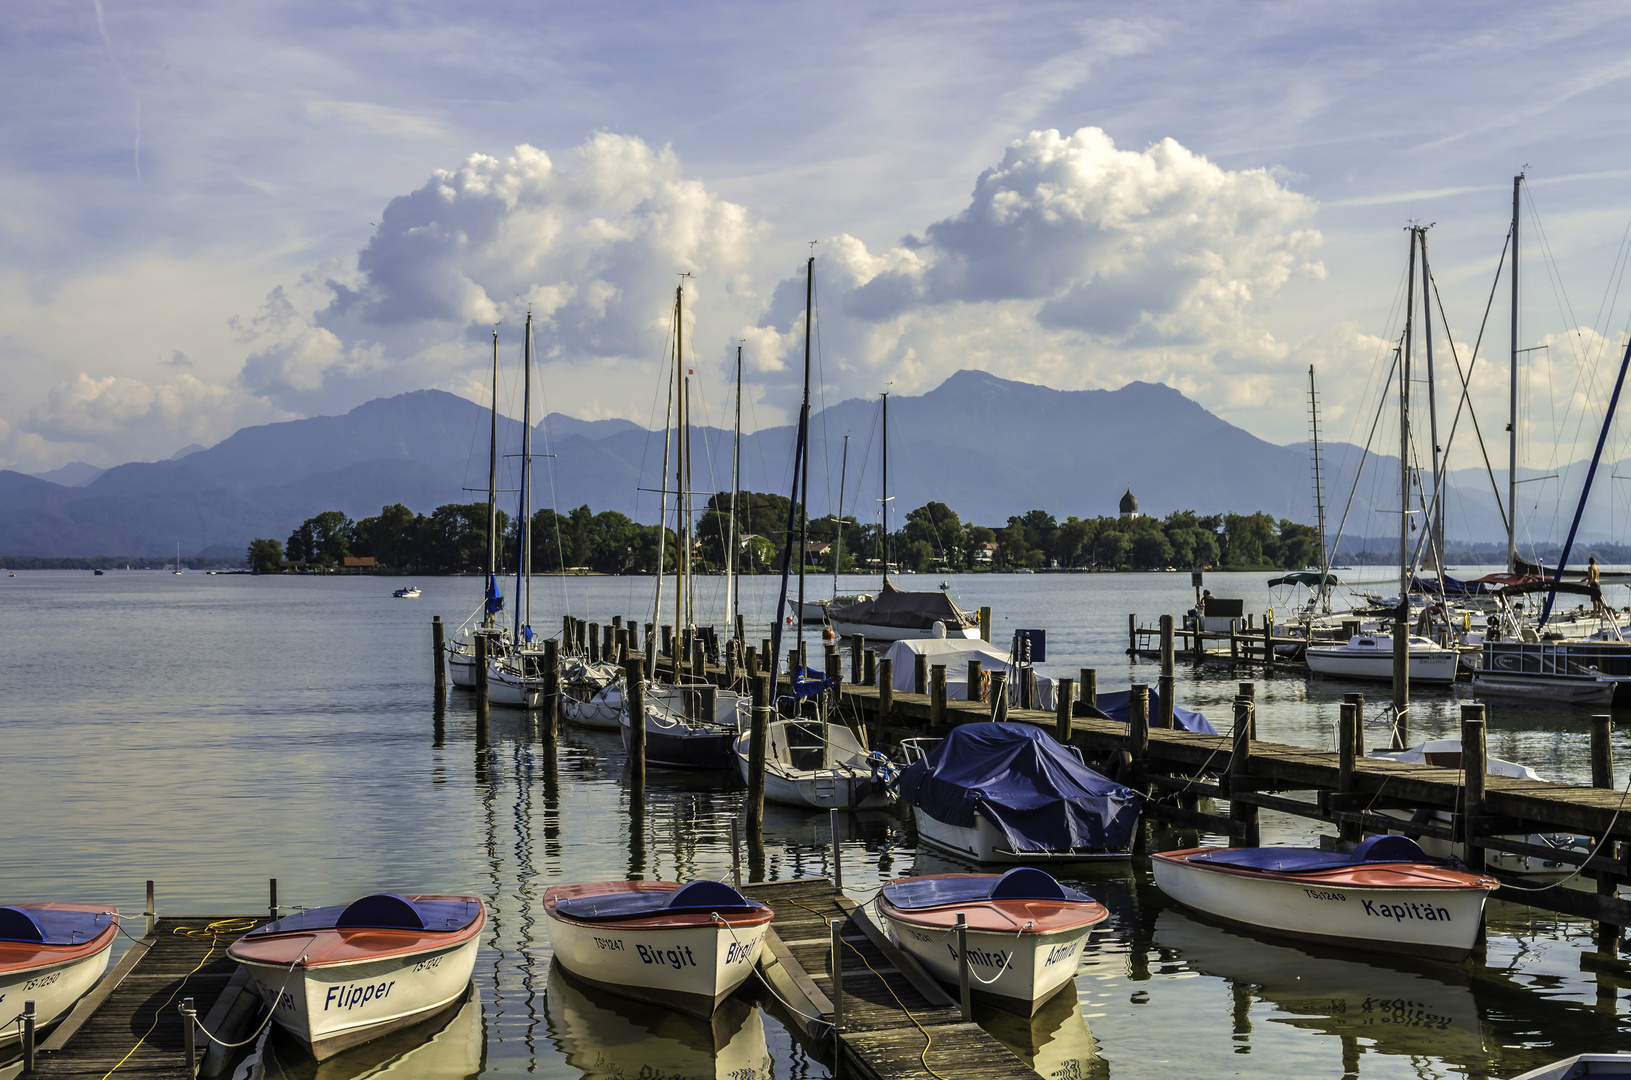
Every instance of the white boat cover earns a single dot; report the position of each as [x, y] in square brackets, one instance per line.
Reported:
[955, 653]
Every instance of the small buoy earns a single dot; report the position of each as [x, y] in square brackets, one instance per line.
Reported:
[827, 636]
[789, 620]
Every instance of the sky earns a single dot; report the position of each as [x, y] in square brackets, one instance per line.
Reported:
[215, 215]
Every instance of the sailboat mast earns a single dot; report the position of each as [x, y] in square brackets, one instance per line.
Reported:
[883, 516]
[1435, 524]
[733, 598]
[523, 562]
[838, 532]
[804, 410]
[1401, 617]
[492, 494]
[1512, 403]
[799, 457]
[681, 557]
[1319, 495]
[685, 501]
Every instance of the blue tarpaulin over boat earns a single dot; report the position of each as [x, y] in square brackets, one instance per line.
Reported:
[1021, 780]
[1116, 707]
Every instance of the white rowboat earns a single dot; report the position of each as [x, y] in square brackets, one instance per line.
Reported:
[50, 954]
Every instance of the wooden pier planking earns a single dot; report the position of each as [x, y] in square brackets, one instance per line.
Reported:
[108, 1022]
[879, 1040]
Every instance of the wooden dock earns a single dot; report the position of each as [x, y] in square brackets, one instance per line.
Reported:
[893, 1021]
[131, 1021]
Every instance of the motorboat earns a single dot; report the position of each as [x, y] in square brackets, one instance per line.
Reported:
[338, 976]
[1385, 896]
[1024, 931]
[686, 947]
[592, 694]
[1446, 754]
[50, 954]
[407, 592]
[1576, 672]
[895, 614]
[821, 766]
[1010, 793]
[1370, 656]
[678, 735]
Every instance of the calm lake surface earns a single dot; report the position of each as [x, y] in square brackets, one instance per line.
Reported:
[211, 732]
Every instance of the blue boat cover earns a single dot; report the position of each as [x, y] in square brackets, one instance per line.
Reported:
[1020, 883]
[1026, 784]
[1116, 706]
[48, 926]
[700, 897]
[382, 911]
[1300, 860]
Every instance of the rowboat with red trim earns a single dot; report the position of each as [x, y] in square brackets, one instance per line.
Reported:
[1385, 896]
[338, 976]
[1025, 931]
[50, 954]
[684, 946]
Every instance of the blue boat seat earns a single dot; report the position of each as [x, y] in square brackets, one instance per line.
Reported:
[1303, 860]
[700, 897]
[381, 911]
[1020, 883]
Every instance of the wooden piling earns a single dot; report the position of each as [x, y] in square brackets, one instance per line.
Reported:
[622, 643]
[857, 645]
[439, 657]
[1474, 769]
[481, 678]
[759, 734]
[1132, 633]
[937, 696]
[634, 692]
[976, 676]
[752, 664]
[1268, 647]
[1602, 776]
[608, 639]
[869, 668]
[999, 696]
[1090, 687]
[1347, 748]
[920, 673]
[886, 686]
[1063, 694]
[985, 624]
[1358, 702]
[594, 643]
[1027, 687]
[552, 690]
[1138, 726]
[1240, 768]
[1166, 684]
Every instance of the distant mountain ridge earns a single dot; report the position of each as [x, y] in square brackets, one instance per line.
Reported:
[987, 447]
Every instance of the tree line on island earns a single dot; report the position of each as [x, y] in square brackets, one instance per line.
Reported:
[453, 538]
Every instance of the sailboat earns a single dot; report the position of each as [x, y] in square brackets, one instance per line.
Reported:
[680, 730]
[1380, 656]
[519, 677]
[461, 659]
[895, 614]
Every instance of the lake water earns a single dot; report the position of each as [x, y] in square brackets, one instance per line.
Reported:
[211, 732]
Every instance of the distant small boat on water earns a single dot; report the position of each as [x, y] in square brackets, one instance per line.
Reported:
[407, 592]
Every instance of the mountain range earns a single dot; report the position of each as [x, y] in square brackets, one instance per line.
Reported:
[985, 446]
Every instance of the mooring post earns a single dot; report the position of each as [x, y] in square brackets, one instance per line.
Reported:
[965, 997]
[1346, 784]
[756, 756]
[999, 696]
[1027, 687]
[481, 678]
[976, 676]
[1090, 687]
[857, 646]
[699, 663]
[736, 854]
[1249, 692]
[750, 663]
[271, 907]
[29, 1018]
[583, 641]
[667, 637]
[837, 853]
[151, 909]
[1602, 776]
[634, 693]
[730, 665]
[1234, 641]
[1268, 647]
[869, 668]
[764, 650]
[1474, 767]
[608, 638]
[594, 643]
[985, 623]
[834, 670]
[708, 703]
[937, 696]
[1132, 633]
[189, 1033]
[552, 688]
[1138, 726]
[1166, 684]
[886, 687]
[741, 626]
[920, 673]
[1358, 702]
[439, 660]
[836, 926]
[1240, 767]
[1063, 699]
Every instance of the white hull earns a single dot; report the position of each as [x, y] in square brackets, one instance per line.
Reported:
[453, 1052]
[1438, 666]
[839, 777]
[691, 968]
[1382, 919]
[1019, 971]
[1579, 690]
[1503, 862]
[603, 712]
[873, 632]
[53, 988]
[461, 668]
[331, 1007]
[504, 688]
[985, 843]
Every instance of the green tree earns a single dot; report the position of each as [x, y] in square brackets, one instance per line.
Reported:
[264, 556]
[1112, 548]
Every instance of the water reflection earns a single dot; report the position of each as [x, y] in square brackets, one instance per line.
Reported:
[1055, 1042]
[611, 1037]
[442, 1048]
